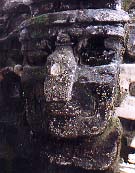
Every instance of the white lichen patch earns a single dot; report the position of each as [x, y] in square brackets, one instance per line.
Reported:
[55, 69]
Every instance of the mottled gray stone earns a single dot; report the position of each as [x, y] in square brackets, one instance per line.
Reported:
[70, 52]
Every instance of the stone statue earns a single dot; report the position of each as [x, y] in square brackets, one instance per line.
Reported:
[71, 52]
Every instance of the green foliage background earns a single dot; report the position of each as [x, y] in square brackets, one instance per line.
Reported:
[126, 3]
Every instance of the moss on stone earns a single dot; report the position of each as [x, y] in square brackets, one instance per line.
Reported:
[40, 19]
[114, 125]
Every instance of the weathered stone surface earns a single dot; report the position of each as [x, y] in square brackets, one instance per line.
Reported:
[96, 153]
[70, 54]
[83, 122]
[76, 16]
[130, 43]
[131, 40]
[39, 7]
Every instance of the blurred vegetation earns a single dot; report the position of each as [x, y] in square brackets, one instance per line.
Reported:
[126, 3]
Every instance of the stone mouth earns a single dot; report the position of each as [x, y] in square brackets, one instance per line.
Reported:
[71, 109]
[63, 108]
[64, 113]
[75, 126]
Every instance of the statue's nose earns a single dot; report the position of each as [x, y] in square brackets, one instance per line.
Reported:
[60, 76]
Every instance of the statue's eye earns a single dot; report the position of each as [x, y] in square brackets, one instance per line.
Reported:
[92, 52]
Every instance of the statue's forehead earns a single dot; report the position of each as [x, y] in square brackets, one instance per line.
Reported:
[72, 22]
[115, 4]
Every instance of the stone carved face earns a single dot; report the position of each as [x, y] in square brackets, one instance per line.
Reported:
[78, 62]
[80, 85]
[71, 55]
[80, 67]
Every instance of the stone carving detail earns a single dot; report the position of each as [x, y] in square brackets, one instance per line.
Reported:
[70, 54]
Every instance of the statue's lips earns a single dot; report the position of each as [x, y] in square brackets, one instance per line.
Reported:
[63, 113]
[71, 124]
[68, 109]
[63, 109]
